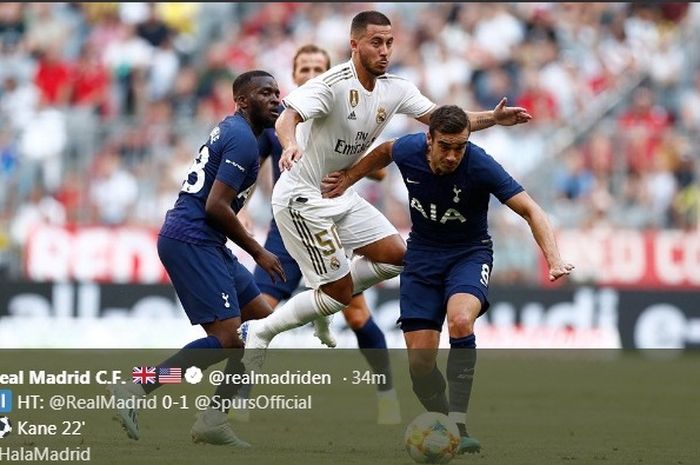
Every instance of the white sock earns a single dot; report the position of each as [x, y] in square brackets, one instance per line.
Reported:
[302, 308]
[366, 273]
[387, 393]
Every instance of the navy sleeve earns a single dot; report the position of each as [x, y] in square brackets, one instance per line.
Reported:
[496, 178]
[238, 158]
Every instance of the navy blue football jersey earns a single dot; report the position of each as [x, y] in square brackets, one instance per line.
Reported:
[451, 208]
[230, 155]
[269, 146]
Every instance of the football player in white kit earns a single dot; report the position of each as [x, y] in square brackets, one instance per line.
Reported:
[346, 108]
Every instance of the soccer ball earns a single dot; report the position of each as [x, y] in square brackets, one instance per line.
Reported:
[432, 438]
[5, 427]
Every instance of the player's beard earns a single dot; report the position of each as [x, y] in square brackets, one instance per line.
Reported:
[370, 67]
[262, 118]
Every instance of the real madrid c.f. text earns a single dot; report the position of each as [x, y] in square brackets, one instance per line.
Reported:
[61, 377]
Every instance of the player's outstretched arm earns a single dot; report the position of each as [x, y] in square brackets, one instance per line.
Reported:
[221, 215]
[501, 115]
[285, 127]
[337, 182]
[523, 205]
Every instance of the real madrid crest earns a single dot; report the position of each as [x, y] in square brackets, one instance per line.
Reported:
[335, 263]
[381, 115]
[354, 98]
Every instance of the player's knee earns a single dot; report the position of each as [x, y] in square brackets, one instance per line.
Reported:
[421, 364]
[395, 251]
[356, 316]
[460, 325]
[340, 290]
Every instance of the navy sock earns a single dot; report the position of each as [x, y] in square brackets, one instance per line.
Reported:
[460, 374]
[372, 344]
[192, 355]
[234, 365]
[430, 390]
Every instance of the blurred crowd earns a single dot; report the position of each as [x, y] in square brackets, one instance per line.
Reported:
[104, 105]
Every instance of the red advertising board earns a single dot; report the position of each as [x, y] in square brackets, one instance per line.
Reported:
[632, 259]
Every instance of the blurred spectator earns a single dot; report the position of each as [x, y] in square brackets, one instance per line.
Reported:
[53, 77]
[114, 190]
[153, 29]
[12, 25]
[41, 145]
[690, 106]
[45, 29]
[686, 203]
[538, 100]
[575, 180]
[40, 209]
[90, 82]
[643, 124]
[19, 102]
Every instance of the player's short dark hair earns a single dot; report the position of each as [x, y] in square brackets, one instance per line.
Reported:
[310, 48]
[362, 20]
[448, 119]
[242, 82]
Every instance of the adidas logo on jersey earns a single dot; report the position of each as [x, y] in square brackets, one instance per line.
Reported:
[352, 116]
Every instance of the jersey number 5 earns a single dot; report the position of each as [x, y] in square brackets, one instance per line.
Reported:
[198, 169]
[325, 240]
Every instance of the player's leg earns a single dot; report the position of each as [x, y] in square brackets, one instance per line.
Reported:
[422, 318]
[372, 344]
[276, 292]
[462, 310]
[378, 247]
[212, 425]
[428, 382]
[205, 286]
[467, 298]
[312, 240]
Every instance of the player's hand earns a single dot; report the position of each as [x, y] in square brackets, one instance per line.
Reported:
[508, 116]
[289, 156]
[271, 264]
[560, 269]
[334, 184]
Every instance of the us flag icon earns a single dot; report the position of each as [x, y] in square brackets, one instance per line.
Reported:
[169, 375]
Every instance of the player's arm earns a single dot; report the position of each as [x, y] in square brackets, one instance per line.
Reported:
[337, 182]
[525, 206]
[221, 215]
[501, 115]
[377, 175]
[285, 127]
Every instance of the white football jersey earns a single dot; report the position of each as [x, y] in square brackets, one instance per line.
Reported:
[341, 121]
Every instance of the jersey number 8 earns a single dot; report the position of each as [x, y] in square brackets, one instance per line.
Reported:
[198, 169]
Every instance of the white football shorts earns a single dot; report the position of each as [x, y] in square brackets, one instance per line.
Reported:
[320, 234]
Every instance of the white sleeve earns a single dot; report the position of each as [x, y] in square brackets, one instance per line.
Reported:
[311, 100]
[414, 103]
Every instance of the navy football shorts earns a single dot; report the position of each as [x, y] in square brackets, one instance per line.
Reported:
[431, 275]
[281, 290]
[210, 282]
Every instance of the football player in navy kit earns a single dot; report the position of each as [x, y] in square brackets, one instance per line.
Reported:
[449, 182]
[215, 290]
